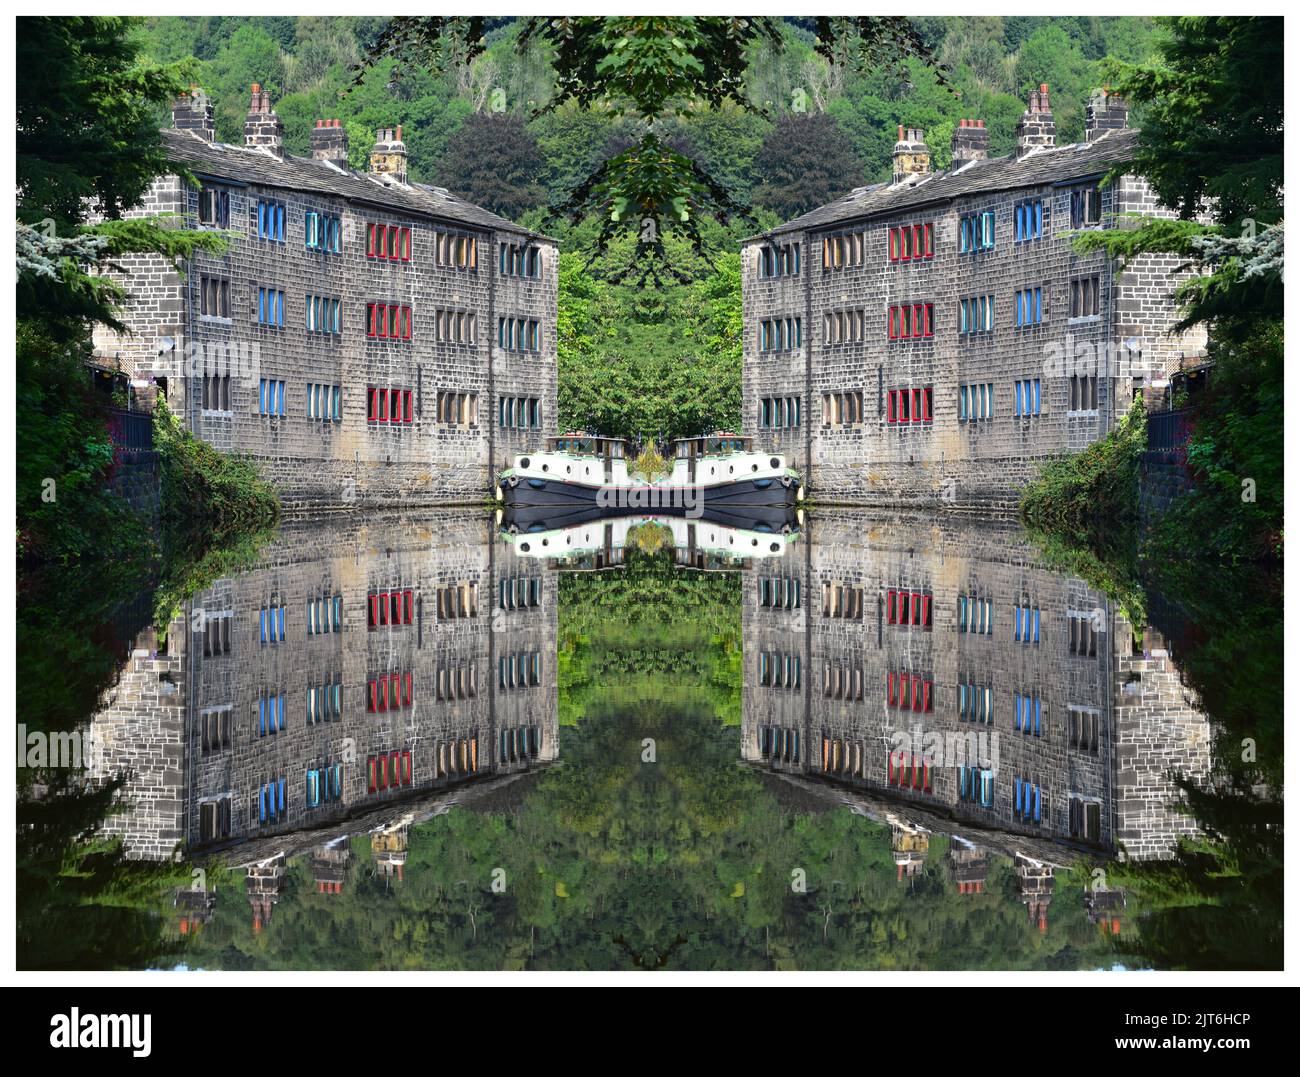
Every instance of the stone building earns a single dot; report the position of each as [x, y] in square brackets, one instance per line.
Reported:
[940, 664]
[368, 340]
[932, 339]
[358, 665]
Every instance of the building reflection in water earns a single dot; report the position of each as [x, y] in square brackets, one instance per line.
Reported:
[357, 679]
[943, 676]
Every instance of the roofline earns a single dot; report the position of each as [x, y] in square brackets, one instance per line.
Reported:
[789, 228]
[207, 173]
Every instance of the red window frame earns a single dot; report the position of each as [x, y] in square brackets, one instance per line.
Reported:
[408, 414]
[374, 611]
[372, 773]
[408, 687]
[406, 244]
[370, 240]
[408, 607]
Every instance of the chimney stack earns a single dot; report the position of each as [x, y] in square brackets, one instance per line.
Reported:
[329, 142]
[911, 154]
[388, 154]
[192, 111]
[970, 142]
[1105, 112]
[262, 127]
[1036, 126]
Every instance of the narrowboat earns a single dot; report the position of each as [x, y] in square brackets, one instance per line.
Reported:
[601, 543]
[718, 470]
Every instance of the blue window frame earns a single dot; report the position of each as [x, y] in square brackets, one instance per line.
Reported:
[1029, 220]
[324, 232]
[270, 307]
[1029, 306]
[270, 221]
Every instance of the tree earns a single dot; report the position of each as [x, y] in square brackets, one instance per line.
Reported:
[494, 162]
[805, 162]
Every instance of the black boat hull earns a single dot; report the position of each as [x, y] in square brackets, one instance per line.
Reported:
[653, 500]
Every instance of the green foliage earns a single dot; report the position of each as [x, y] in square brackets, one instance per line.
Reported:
[493, 161]
[1094, 491]
[805, 162]
[209, 497]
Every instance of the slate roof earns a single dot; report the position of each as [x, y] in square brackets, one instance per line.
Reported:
[1043, 166]
[253, 165]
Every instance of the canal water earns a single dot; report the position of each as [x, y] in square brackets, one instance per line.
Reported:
[862, 741]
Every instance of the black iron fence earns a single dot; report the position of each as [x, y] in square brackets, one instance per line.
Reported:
[1169, 429]
[131, 430]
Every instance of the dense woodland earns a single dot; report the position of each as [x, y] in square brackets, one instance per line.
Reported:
[641, 362]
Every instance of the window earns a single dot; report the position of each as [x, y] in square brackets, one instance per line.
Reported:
[325, 315]
[1083, 634]
[1027, 801]
[910, 405]
[908, 771]
[324, 232]
[455, 326]
[842, 602]
[911, 321]
[778, 260]
[388, 242]
[842, 409]
[975, 315]
[905, 691]
[324, 785]
[388, 770]
[519, 334]
[214, 207]
[520, 592]
[215, 729]
[520, 260]
[1026, 620]
[214, 297]
[388, 321]
[270, 714]
[975, 702]
[779, 592]
[271, 624]
[1083, 723]
[911, 242]
[844, 327]
[1085, 297]
[390, 608]
[779, 744]
[909, 608]
[455, 757]
[1029, 398]
[1029, 306]
[976, 232]
[324, 615]
[1083, 392]
[270, 307]
[324, 702]
[216, 633]
[270, 397]
[389, 692]
[519, 412]
[456, 409]
[214, 818]
[1085, 819]
[1085, 207]
[779, 670]
[270, 221]
[520, 742]
[457, 600]
[839, 251]
[975, 402]
[216, 392]
[975, 786]
[270, 803]
[1029, 220]
[325, 402]
[779, 412]
[844, 681]
[455, 682]
[522, 670]
[780, 334]
[974, 615]
[1028, 714]
[457, 250]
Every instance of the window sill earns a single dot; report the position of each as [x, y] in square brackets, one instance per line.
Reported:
[216, 319]
[1083, 319]
[1083, 413]
[216, 413]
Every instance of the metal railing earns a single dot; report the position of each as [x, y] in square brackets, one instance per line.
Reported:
[130, 430]
[1169, 429]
